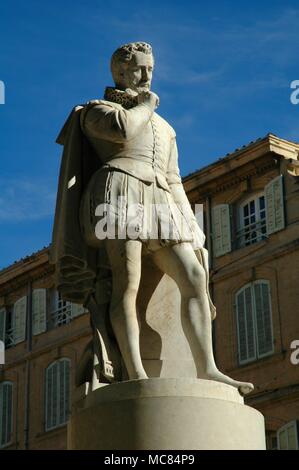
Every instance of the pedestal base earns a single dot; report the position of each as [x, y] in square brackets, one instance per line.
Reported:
[161, 414]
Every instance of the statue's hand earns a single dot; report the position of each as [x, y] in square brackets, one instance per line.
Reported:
[149, 98]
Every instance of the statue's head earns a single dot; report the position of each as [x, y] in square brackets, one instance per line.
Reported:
[132, 66]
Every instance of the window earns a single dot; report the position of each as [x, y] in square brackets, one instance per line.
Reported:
[221, 231]
[288, 436]
[9, 335]
[63, 311]
[19, 320]
[271, 440]
[254, 321]
[2, 324]
[39, 311]
[256, 219]
[5, 413]
[252, 221]
[6, 328]
[13, 323]
[57, 388]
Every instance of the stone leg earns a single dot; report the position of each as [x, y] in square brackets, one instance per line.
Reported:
[180, 262]
[125, 259]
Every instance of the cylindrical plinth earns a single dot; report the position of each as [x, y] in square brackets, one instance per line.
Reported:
[163, 414]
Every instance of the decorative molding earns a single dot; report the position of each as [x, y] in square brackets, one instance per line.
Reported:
[200, 193]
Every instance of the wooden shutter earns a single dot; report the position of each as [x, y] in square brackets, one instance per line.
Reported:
[275, 205]
[19, 320]
[221, 229]
[2, 324]
[51, 396]
[5, 413]
[77, 310]
[57, 393]
[64, 391]
[39, 311]
[245, 325]
[288, 436]
[263, 318]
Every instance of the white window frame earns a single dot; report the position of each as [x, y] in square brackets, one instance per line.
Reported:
[285, 428]
[9, 331]
[63, 311]
[257, 226]
[59, 423]
[8, 442]
[253, 302]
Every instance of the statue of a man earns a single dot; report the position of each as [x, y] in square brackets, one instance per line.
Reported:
[134, 160]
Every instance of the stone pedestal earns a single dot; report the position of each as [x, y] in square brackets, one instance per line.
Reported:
[161, 414]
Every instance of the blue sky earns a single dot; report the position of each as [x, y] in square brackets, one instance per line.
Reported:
[223, 73]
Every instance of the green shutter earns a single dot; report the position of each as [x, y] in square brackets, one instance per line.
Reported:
[275, 205]
[6, 418]
[221, 229]
[245, 326]
[263, 318]
[64, 391]
[51, 396]
[77, 310]
[288, 436]
[57, 393]
[39, 311]
[19, 320]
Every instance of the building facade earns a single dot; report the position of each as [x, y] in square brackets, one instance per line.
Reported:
[44, 338]
[251, 214]
[251, 207]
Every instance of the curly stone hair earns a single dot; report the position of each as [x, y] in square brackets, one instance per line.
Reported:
[123, 55]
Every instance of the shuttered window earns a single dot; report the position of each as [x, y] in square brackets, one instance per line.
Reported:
[57, 388]
[77, 310]
[2, 324]
[39, 311]
[6, 413]
[275, 205]
[19, 320]
[252, 221]
[254, 321]
[62, 310]
[288, 436]
[221, 229]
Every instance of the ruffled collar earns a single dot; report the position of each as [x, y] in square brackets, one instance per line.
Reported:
[120, 97]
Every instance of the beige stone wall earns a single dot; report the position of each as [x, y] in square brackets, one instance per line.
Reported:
[63, 341]
[67, 341]
[276, 260]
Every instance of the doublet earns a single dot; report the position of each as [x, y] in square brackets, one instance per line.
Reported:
[136, 141]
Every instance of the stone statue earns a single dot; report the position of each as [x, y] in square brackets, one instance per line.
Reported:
[120, 159]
